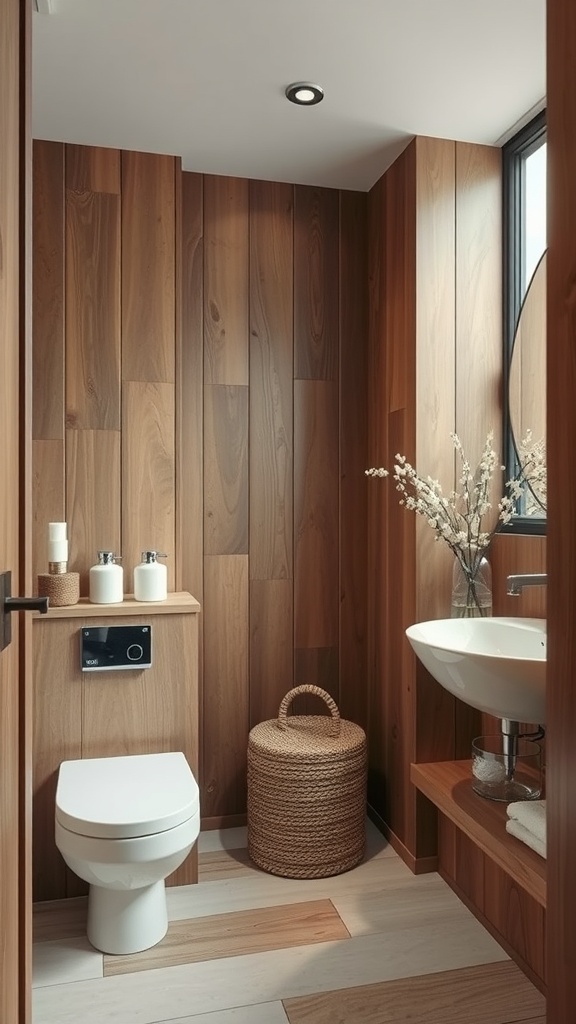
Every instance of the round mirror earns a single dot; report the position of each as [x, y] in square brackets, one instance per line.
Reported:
[527, 389]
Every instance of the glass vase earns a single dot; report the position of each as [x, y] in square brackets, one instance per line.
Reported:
[471, 588]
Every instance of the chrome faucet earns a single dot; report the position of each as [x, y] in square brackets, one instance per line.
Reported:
[516, 584]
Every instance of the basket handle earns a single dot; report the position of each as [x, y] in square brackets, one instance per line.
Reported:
[309, 688]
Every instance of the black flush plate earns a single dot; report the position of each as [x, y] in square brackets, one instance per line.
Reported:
[109, 648]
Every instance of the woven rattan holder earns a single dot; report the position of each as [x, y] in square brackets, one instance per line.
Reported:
[307, 792]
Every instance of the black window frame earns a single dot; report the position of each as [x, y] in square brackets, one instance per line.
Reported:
[514, 155]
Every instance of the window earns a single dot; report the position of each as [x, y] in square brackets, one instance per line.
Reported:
[524, 170]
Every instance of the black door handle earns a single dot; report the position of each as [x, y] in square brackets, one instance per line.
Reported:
[10, 604]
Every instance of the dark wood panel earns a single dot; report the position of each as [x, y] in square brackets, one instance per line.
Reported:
[225, 470]
[93, 169]
[148, 267]
[315, 513]
[513, 553]
[226, 689]
[92, 311]
[48, 291]
[317, 666]
[353, 455]
[561, 541]
[271, 387]
[190, 397]
[399, 299]
[316, 281]
[225, 280]
[271, 647]
[92, 497]
[148, 475]
[517, 917]
[48, 497]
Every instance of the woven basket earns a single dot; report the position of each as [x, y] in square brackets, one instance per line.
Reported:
[307, 792]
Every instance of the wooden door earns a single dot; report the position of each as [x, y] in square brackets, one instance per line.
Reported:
[15, 900]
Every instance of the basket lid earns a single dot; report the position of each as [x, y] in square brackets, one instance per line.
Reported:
[307, 735]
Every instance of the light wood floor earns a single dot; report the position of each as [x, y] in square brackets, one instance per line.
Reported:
[376, 945]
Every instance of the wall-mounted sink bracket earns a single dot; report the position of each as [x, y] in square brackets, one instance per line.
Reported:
[9, 604]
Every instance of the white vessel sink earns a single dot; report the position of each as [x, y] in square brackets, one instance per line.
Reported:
[497, 665]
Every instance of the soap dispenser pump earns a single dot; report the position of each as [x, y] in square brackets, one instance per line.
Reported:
[151, 578]
[106, 579]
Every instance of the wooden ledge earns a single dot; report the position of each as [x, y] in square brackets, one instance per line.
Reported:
[448, 785]
[181, 602]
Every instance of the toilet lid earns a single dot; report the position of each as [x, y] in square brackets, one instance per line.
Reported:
[126, 797]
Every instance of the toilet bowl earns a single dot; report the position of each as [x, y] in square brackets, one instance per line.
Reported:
[123, 824]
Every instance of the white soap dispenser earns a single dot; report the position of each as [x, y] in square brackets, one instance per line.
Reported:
[151, 578]
[106, 580]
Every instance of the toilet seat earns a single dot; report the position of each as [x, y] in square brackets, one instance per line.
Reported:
[126, 797]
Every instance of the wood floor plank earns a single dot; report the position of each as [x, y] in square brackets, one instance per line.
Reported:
[495, 993]
[59, 919]
[217, 865]
[225, 935]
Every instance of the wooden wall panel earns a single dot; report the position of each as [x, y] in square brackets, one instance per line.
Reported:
[561, 541]
[148, 467]
[189, 482]
[93, 496]
[316, 230]
[271, 647]
[435, 358]
[353, 418]
[48, 291]
[57, 737]
[271, 384]
[225, 701]
[225, 470]
[315, 513]
[93, 169]
[226, 280]
[48, 497]
[148, 267]
[92, 311]
[517, 917]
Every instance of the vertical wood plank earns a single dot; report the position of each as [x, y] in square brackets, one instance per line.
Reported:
[479, 299]
[561, 540]
[148, 267]
[148, 462]
[271, 647]
[226, 718]
[435, 409]
[315, 513]
[520, 919]
[190, 460]
[225, 470]
[48, 291]
[178, 340]
[93, 169]
[513, 553]
[376, 496]
[316, 230]
[271, 388]
[48, 497]
[92, 311]
[92, 497]
[57, 737]
[353, 456]
[226, 280]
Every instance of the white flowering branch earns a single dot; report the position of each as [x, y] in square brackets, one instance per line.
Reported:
[457, 518]
[532, 455]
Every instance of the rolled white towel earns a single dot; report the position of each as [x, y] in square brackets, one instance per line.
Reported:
[531, 814]
[520, 832]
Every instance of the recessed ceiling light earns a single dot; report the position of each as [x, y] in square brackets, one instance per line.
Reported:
[304, 93]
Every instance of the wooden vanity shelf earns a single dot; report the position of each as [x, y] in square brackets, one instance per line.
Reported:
[447, 784]
[175, 603]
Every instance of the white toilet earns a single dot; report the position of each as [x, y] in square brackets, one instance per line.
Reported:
[124, 824]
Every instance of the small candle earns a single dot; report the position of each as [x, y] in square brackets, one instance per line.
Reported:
[56, 531]
[57, 550]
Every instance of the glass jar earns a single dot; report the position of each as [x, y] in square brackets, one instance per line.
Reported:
[471, 588]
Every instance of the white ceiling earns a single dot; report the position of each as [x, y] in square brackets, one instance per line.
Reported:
[205, 79]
